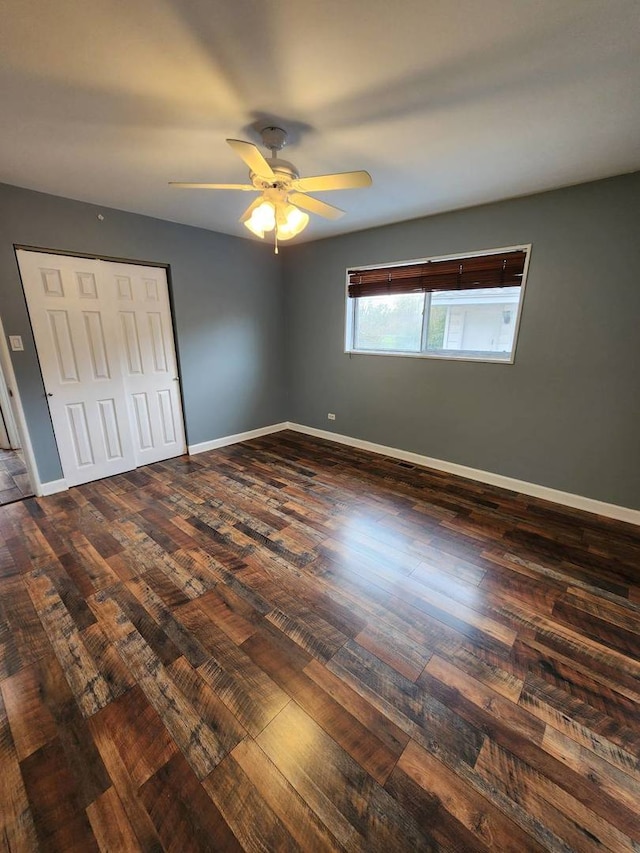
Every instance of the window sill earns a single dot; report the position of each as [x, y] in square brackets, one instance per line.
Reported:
[486, 358]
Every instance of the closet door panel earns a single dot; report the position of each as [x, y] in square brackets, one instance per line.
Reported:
[148, 361]
[73, 321]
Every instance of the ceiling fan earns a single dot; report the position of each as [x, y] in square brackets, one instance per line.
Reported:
[283, 196]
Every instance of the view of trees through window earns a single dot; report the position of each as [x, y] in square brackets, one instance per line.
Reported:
[437, 325]
[479, 322]
[389, 322]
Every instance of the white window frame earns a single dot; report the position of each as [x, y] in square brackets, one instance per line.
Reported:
[350, 309]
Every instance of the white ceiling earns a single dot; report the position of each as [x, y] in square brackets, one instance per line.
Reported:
[447, 103]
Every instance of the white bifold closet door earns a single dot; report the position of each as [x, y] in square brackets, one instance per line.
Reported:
[104, 338]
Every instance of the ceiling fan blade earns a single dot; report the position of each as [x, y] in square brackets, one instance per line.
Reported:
[314, 205]
[188, 186]
[339, 181]
[252, 157]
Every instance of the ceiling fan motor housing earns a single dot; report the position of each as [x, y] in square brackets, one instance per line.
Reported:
[285, 173]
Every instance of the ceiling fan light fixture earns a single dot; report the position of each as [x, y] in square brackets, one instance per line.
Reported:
[290, 221]
[282, 193]
[263, 218]
[267, 215]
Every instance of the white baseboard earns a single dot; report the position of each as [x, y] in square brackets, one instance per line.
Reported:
[234, 439]
[52, 487]
[621, 513]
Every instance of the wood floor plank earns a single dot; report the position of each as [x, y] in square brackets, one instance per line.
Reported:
[125, 786]
[621, 612]
[89, 687]
[601, 690]
[621, 787]
[565, 710]
[230, 612]
[152, 633]
[274, 655]
[569, 819]
[538, 747]
[135, 730]
[154, 606]
[29, 718]
[391, 735]
[478, 815]
[407, 657]
[304, 826]
[59, 818]
[430, 813]
[335, 786]
[310, 632]
[599, 656]
[164, 587]
[185, 818]
[84, 761]
[196, 736]
[450, 683]
[588, 737]
[17, 829]
[256, 826]
[419, 715]
[22, 631]
[495, 675]
[110, 824]
[207, 705]
[249, 692]
[94, 564]
[107, 660]
[145, 555]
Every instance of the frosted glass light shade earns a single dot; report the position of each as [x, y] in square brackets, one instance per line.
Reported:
[290, 222]
[287, 219]
[262, 219]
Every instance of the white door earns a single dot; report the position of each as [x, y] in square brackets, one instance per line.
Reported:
[80, 335]
[147, 360]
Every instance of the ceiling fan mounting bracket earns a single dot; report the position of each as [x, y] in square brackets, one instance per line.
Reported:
[273, 138]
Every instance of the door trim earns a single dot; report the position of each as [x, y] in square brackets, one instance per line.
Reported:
[6, 413]
[88, 255]
[18, 412]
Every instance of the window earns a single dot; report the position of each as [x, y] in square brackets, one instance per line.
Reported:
[466, 307]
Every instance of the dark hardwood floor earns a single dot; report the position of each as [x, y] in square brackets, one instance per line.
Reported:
[292, 645]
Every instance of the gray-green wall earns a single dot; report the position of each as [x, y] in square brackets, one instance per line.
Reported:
[228, 311]
[261, 339]
[565, 415]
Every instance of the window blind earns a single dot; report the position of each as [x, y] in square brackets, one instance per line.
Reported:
[504, 269]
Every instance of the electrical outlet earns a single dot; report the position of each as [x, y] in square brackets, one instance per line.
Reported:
[331, 416]
[15, 342]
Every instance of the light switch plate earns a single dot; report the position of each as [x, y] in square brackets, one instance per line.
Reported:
[15, 342]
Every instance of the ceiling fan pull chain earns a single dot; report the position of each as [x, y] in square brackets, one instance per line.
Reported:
[275, 231]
